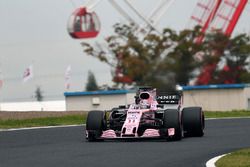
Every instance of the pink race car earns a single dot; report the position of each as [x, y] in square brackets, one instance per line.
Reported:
[151, 116]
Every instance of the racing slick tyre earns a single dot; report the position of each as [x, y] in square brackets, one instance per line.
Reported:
[193, 121]
[95, 124]
[172, 119]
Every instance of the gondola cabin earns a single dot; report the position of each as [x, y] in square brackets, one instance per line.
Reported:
[83, 24]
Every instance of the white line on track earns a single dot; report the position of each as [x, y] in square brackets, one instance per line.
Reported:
[41, 127]
[211, 162]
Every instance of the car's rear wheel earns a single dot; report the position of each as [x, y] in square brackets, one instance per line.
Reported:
[193, 121]
[171, 120]
[95, 124]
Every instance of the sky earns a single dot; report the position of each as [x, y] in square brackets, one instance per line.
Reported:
[35, 32]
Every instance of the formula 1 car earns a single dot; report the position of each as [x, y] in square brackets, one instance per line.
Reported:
[153, 115]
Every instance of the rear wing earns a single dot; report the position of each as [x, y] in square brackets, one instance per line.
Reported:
[169, 97]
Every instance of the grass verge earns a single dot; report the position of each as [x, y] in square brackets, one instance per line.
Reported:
[44, 121]
[34, 119]
[239, 158]
[220, 114]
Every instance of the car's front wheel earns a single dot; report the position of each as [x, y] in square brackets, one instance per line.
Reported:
[95, 124]
[172, 124]
[193, 121]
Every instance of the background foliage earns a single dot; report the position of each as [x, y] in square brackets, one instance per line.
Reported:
[173, 58]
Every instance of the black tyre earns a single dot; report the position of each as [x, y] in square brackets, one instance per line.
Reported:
[172, 119]
[193, 121]
[95, 124]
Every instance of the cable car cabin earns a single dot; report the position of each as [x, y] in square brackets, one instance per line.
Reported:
[83, 24]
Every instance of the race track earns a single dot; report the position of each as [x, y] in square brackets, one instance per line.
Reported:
[66, 147]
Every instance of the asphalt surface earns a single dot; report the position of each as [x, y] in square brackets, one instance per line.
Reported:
[66, 147]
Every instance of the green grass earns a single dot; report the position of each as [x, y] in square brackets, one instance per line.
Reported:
[78, 119]
[48, 121]
[241, 113]
[239, 158]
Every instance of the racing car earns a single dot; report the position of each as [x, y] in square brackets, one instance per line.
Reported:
[152, 115]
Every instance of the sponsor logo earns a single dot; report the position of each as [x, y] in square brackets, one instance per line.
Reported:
[133, 112]
[169, 97]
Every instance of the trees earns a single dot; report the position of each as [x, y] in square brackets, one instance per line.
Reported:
[171, 58]
[229, 58]
[91, 82]
[38, 94]
[181, 62]
[144, 59]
